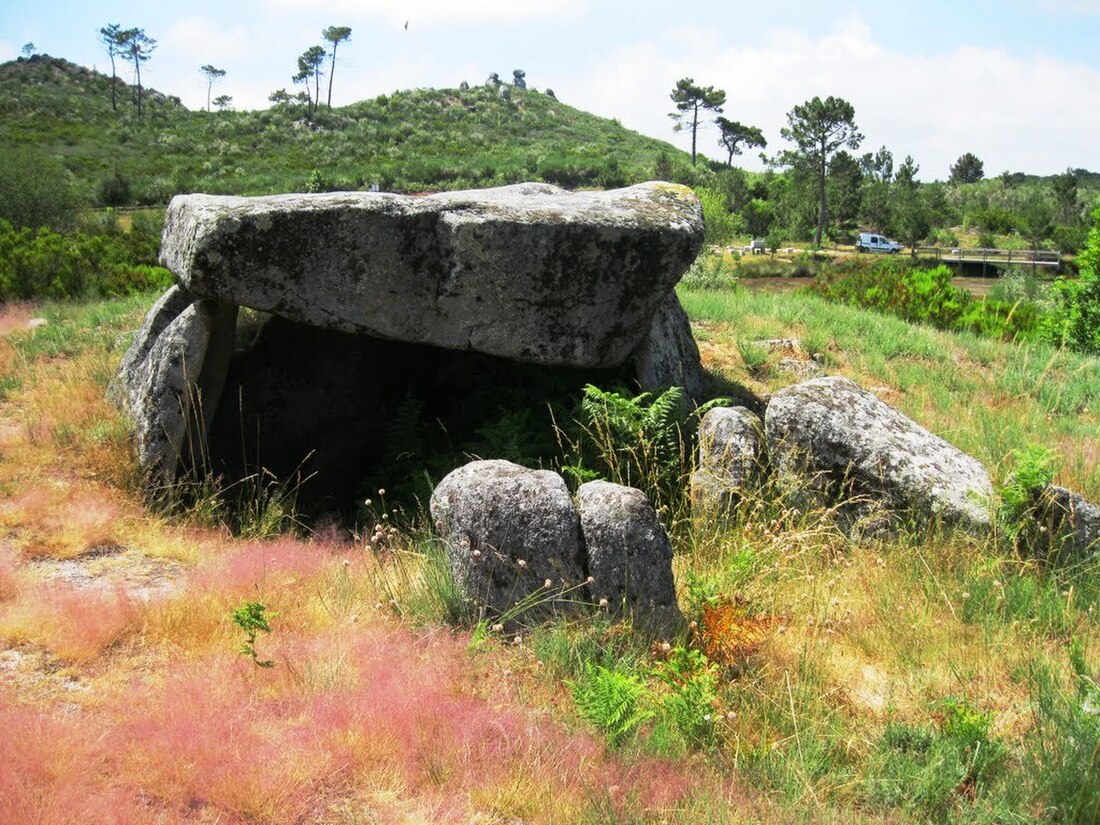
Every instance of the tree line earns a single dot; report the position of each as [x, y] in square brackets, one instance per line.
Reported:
[847, 192]
[136, 47]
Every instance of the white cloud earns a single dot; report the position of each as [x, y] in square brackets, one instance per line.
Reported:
[195, 36]
[1023, 112]
[431, 13]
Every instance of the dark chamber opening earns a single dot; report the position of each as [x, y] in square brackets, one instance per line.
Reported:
[339, 415]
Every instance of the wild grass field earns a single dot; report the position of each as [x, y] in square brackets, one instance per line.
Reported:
[920, 679]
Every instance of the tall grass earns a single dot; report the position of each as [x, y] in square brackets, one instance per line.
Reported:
[986, 397]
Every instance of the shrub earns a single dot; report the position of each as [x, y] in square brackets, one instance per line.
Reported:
[711, 272]
[114, 191]
[998, 221]
[944, 237]
[720, 226]
[45, 264]
[1074, 321]
[896, 287]
[35, 190]
[1070, 239]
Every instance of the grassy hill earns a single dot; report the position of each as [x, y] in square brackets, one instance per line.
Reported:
[408, 141]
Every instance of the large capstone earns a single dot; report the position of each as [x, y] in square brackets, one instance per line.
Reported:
[860, 448]
[512, 538]
[528, 272]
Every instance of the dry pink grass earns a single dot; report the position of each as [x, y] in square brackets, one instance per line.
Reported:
[8, 585]
[76, 625]
[218, 738]
[63, 520]
[258, 566]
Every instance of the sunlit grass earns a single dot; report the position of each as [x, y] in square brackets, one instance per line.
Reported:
[986, 397]
[377, 709]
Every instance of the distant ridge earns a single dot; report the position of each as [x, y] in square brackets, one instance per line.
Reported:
[409, 141]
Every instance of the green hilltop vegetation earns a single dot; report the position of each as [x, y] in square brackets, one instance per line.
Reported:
[57, 119]
[408, 141]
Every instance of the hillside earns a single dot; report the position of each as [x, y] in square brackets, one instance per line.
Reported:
[408, 141]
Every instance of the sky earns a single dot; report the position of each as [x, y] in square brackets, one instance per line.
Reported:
[1016, 82]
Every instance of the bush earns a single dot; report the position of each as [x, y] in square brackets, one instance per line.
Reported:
[114, 191]
[944, 237]
[927, 296]
[1070, 239]
[35, 190]
[720, 226]
[1074, 321]
[997, 221]
[711, 272]
[45, 264]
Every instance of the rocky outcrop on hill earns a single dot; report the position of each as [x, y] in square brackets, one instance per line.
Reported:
[853, 445]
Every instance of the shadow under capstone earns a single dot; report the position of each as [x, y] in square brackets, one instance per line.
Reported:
[338, 415]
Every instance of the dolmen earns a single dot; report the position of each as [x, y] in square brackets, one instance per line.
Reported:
[529, 273]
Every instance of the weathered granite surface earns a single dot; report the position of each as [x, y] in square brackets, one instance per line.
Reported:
[861, 446]
[529, 272]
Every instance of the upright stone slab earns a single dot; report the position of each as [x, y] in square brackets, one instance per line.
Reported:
[1063, 524]
[731, 450]
[668, 355]
[171, 378]
[629, 554]
[510, 534]
[528, 272]
[859, 445]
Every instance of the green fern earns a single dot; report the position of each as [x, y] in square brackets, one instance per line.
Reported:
[641, 441]
[610, 701]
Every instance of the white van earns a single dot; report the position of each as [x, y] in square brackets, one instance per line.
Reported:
[876, 243]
